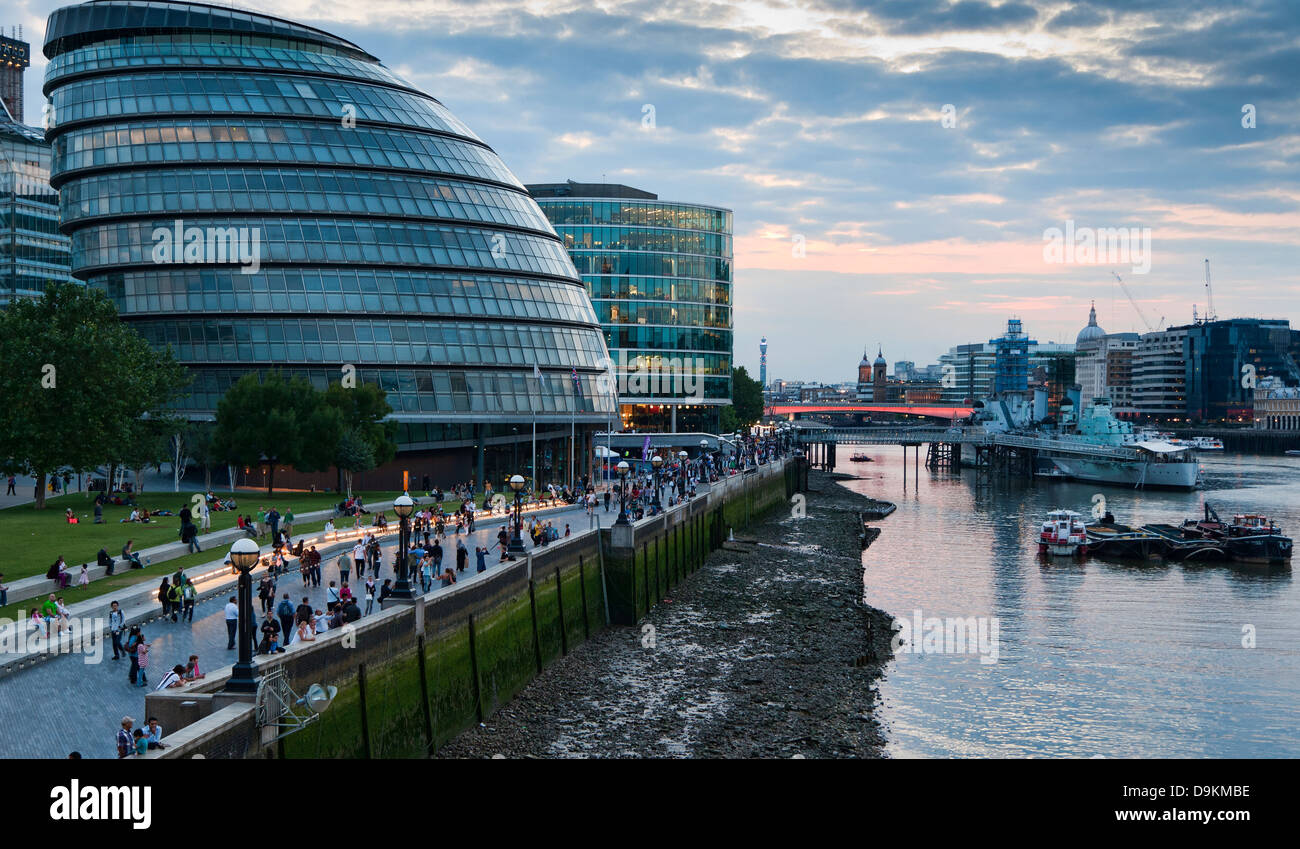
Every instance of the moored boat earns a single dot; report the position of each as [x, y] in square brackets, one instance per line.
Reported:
[1063, 534]
[1248, 538]
[860, 458]
[1109, 539]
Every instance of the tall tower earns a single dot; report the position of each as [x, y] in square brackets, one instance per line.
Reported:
[15, 56]
[878, 375]
[762, 362]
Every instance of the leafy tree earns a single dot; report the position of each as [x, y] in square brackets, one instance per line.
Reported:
[746, 406]
[200, 439]
[274, 421]
[365, 409]
[355, 453]
[75, 381]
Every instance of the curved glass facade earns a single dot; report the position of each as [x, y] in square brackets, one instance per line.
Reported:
[257, 194]
[659, 275]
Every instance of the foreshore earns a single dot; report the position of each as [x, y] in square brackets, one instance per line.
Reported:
[767, 651]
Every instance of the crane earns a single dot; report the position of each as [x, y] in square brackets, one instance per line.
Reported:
[1210, 314]
[1134, 302]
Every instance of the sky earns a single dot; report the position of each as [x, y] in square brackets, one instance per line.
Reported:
[897, 168]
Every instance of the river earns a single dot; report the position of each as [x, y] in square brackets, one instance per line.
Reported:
[1094, 658]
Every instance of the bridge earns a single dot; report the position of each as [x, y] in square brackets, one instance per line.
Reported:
[932, 412]
[977, 436]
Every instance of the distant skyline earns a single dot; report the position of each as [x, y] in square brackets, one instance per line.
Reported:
[822, 123]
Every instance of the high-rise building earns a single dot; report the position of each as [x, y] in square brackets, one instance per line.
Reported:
[33, 253]
[15, 57]
[1227, 359]
[969, 372]
[1160, 375]
[762, 363]
[336, 220]
[1011, 359]
[659, 275]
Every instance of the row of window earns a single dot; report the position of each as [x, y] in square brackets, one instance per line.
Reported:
[214, 22]
[344, 290]
[657, 289]
[648, 361]
[208, 93]
[173, 54]
[33, 251]
[32, 219]
[651, 312]
[644, 213]
[652, 265]
[253, 141]
[667, 338]
[304, 192]
[316, 240]
[423, 390]
[270, 340]
[640, 239]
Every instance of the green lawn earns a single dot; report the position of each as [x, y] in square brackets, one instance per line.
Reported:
[34, 538]
[35, 551]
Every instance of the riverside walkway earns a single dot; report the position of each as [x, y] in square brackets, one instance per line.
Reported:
[64, 704]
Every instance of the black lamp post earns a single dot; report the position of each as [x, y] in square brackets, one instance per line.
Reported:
[402, 506]
[516, 548]
[244, 555]
[656, 461]
[622, 493]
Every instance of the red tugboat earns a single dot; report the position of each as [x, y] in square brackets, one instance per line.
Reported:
[1063, 534]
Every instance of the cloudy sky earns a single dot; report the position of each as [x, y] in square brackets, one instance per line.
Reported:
[822, 123]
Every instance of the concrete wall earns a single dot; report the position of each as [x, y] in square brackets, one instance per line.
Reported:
[413, 677]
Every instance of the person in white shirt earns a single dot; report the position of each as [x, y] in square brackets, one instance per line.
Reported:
[329, 529]
[320, 622]
[205, 517]
[232, 622]
[173, 678]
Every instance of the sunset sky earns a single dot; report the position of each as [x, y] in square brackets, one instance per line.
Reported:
[823, 120]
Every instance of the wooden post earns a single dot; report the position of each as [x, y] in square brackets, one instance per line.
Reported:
[659, 595]
[473, 671]
[559, 603]
[424, 696]
[537, 641]
[365, 720]
[582, 582]
[645, 573]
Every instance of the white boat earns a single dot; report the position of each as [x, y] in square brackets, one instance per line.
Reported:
[1159, 462]
[1206, 443]
[1063, 534]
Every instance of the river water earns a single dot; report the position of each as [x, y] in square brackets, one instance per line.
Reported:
[1094, 658]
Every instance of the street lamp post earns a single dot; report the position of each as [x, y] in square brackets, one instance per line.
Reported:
[656, 461]
[622, 493]
[403, 506]
[704, 457]
[516, 548]
[244, 555]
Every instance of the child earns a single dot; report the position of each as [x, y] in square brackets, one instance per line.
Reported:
[142, 659]
[192, 672]
[141, 742]
[83, 580]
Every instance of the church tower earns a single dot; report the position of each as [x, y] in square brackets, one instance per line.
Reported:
[878, 376]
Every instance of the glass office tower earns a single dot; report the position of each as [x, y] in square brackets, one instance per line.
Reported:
[659, 274]
[256, 194]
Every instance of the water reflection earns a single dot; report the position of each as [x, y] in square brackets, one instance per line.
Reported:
[1096, 657]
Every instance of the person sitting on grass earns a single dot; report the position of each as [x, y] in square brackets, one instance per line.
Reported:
[70, 517]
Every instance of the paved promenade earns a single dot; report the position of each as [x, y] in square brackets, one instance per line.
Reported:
[64, 704]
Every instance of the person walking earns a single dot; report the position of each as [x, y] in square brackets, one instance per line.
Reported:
[370, 594]
[142, 659]
[285, 612]
[232, 622]
[190, 536]
[10, 489]
[133, 639]
[358, 557]
[116, 622]
[288, 521]
[462, 556]
[480, 554]
[345, 565]
[189, 595]
[175, 598]
[165, 597]
[205, 517]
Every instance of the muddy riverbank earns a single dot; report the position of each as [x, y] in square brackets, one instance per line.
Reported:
[767, 651]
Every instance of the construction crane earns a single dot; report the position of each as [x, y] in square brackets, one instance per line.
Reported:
[1134, 302]
[1210, 314]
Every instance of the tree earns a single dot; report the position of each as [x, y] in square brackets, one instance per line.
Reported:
[365, 409]
[75, 381]
[273, 421]
[746, 406]
[200, 438]
[354, 454]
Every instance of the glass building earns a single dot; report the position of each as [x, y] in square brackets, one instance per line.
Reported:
[659, 275]
[33, 251]
[255, 193]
